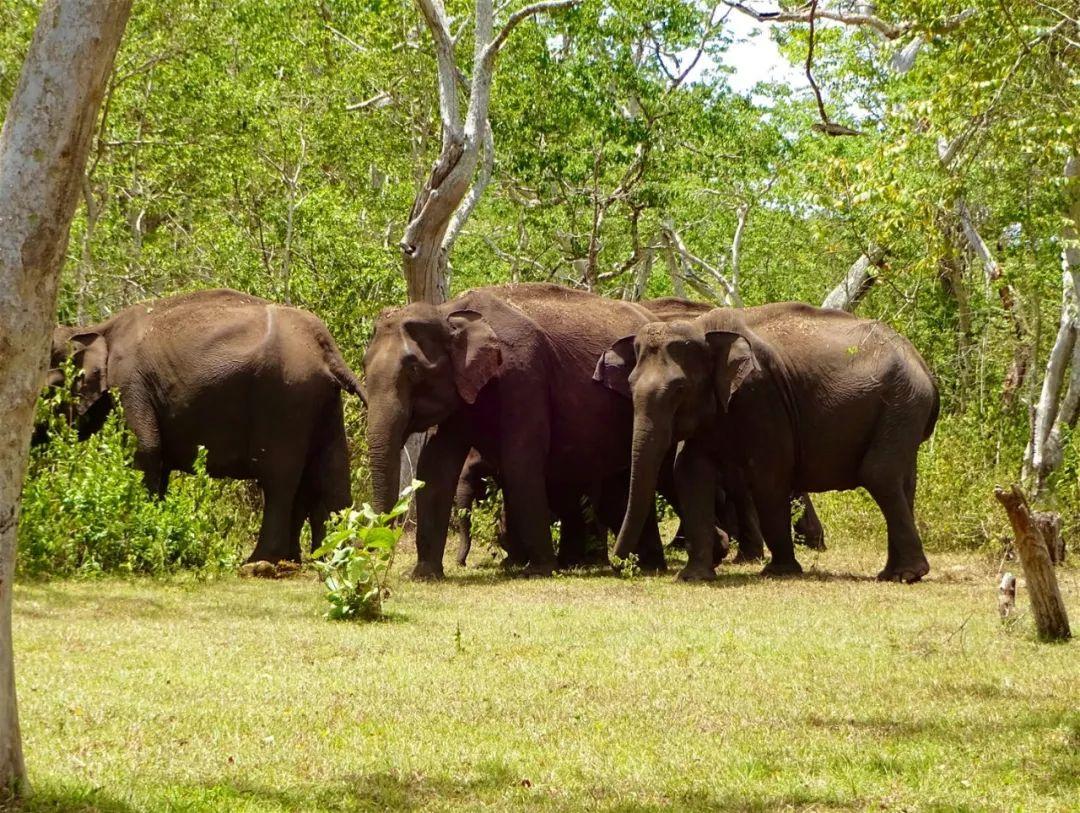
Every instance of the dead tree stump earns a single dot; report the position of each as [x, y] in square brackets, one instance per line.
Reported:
[1049, 525]
[1050, 619]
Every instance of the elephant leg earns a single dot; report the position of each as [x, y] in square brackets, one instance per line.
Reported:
[141, 418]
[439, 468]
[751, 539]
[330, 489]
[463, 519]
[695, 481]
[516, 555]
[528, 518]
[300, 510]
[277, 522]
[573, 535]
[906, 561]
[808, 529]
[774, 513]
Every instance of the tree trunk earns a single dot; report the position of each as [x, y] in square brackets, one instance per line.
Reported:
[43, 148]
[856, 282]
[1047, 606]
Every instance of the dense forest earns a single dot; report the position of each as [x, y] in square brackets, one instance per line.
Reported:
[925, 174]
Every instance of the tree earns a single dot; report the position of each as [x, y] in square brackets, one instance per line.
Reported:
[450, 194]
[43, 149]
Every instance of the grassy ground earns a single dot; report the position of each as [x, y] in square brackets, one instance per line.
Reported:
[580, 692]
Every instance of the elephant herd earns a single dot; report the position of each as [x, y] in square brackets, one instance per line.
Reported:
[580, 408]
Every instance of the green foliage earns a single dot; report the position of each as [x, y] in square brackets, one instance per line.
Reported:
[361, 546]
[234, 150]
[85, 511]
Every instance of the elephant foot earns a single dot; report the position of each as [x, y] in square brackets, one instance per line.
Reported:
[908, 573]
[427, 571]
[653, 568]
[782, 568]
[273, 558]
[697, 573]
[537, 570]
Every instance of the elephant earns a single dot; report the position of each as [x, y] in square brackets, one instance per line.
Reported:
[735, 511]
[507, 370]
[256, 383]
[582, 539]
[795, 398]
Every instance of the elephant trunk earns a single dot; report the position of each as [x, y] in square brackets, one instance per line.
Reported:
[386, 436]
[650, 445]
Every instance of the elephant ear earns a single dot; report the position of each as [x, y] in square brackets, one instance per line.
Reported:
[92, 357]
[614, 367]
[735, 361]
[474, 352]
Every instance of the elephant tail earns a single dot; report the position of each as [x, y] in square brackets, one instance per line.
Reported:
[935, 410]
[339, 369]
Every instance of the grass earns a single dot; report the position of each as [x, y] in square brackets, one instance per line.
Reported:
[581, 692]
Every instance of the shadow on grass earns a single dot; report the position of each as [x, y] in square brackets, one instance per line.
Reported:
[51, 798]
[496, 785]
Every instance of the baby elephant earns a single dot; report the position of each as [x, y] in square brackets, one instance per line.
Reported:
[255, 383]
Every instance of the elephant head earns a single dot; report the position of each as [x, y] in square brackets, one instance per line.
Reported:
[88, 350]
[680, 375]
[423, 364]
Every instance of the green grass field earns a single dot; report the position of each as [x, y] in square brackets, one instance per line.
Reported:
[580, 692]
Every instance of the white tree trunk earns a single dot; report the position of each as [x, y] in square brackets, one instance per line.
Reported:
[451, 192]
[855, 284]
[43, 148]
[1043, 453]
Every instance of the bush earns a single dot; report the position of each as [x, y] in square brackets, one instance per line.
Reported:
[361, 545]
[85, 510]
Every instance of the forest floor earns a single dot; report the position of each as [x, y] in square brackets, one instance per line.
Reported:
[585, 691]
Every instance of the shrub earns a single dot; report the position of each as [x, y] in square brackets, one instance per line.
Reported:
[361, 545]
[85, 510]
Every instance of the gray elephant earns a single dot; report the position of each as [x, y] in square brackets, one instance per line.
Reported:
[796, 398]
[506, 370]
[255, 383]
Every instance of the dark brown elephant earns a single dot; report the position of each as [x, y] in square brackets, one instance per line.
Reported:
[255, 383]
[506, 370]
[736, 514]
[796, 398]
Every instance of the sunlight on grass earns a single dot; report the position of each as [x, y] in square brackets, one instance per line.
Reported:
[585, 691]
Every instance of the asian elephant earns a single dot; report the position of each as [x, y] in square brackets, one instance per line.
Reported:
[255, 383]
[797, 398]
[506, 370]
[735, 511]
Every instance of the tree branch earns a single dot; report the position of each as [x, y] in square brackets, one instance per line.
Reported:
[435, 16]
[518, 17]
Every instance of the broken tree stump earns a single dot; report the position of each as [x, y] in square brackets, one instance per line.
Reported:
[1049, 524]
[1051, 622]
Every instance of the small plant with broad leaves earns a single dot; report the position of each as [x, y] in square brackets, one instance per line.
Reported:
[360, 546]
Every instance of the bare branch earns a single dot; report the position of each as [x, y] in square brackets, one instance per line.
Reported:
[461, 214]
[518, 17]
[856, 282]
[435, 16]
[826, 126]
[380, 99]
[887, 30]
[347, 40]
[676, 241]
